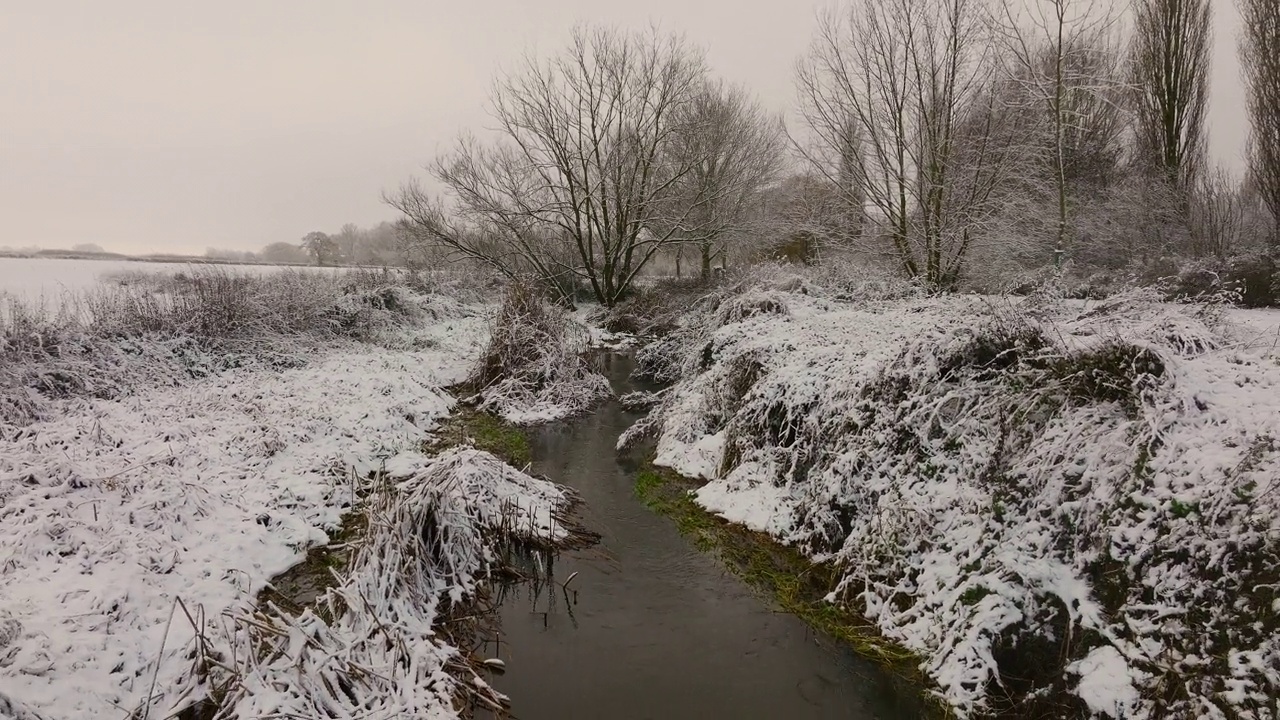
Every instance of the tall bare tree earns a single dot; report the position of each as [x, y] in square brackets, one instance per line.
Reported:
[896, 97]
[1169, 61]
[733, 149]
[349, 238]
[578, 188]
[1260, 59]
[1054, 48]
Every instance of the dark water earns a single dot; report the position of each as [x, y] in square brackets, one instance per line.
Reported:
[660, 630]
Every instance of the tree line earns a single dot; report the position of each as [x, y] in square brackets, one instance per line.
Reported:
[953, 140]
[382, 245]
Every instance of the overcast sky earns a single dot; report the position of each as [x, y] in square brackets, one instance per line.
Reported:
[174, 125]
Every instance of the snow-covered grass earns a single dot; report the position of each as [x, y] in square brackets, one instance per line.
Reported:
[210, 466]
[165, 330]
[1063, 509]
[536, 366]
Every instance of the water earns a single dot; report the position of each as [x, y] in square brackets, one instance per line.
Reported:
[659, 629]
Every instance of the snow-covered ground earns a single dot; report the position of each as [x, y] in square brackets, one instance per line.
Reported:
[1075, 502]
[113, 511]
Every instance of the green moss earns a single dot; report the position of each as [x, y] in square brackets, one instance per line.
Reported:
[485, 432]
[974, 595]
[794, 583]
[298, 587]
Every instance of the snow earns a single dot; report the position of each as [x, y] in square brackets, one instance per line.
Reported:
[432, 540]
[113, 511]
[1106, 683]
[994, 474]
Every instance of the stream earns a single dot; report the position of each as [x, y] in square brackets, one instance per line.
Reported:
[650, 627]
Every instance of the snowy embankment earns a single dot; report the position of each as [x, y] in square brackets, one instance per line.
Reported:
[1064, 511]
[126, 522]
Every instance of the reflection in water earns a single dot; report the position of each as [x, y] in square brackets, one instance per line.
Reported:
[645, 626]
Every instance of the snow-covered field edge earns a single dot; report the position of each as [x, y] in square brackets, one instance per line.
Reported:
[138, 527]
[1062, 509]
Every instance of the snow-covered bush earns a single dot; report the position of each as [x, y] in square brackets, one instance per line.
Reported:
[536, 366]
[667, 359]
[1065, 511]
[1247, 280]
[853, 280]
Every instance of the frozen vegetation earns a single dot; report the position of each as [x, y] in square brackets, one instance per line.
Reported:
[168, 452]
[1064, 508]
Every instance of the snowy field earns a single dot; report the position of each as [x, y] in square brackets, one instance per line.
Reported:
[46, 280]
[1055, 503]
[118, 517]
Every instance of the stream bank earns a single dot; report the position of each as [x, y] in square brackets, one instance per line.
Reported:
[646, 625]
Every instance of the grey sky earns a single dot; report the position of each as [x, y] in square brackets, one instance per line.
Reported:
[177, 125]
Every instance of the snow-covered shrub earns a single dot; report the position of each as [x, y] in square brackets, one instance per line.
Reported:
[1064, 510]
[536, 366]
[655, 309]
[667, 359]
[1246, 280]
[854, 280]
[737, 308]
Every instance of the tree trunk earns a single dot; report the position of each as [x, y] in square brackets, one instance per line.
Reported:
[706, 263]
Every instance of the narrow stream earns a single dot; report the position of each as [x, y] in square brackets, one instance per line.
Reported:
[660, 630]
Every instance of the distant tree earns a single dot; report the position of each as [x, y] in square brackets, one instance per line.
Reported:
[1060, 53]
[1169, 58]
[1260, 60]
[321, 248]
[283, 252]
[88, 248]
[379, 245]
[348, 239]
[733, 149]
[895, 97]
[230, 255]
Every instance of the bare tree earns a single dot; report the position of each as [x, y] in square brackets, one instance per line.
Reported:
[897, 98]
[320, 247]
[1169, 58]
[1260, 60]
[733, 148]
[348, 239]
[578, 188]
[1055, 49]
[1218, 215]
